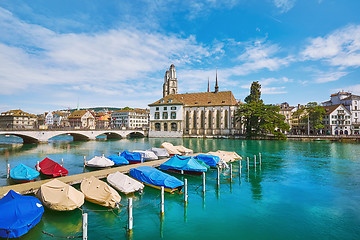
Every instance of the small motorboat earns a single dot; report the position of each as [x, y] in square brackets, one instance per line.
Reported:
[170, 148]
[147, 155]
[155, 178]
[183, 165]
[99, 162]
[22, 174]
[60, 196]
[210, 160]
[118, 160]
[18, 214]
[50, 168]
[132, 157]
[124, 183]
[160, 152]
[99, 192]
[183, 150]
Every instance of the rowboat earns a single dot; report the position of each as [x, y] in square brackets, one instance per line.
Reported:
[183, 165]
[154, 178]
[18, 214]
[124, 183]
[60, 196]
[51, 169]
[22, 174]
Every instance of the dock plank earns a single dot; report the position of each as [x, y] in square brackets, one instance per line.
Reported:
[32, 187]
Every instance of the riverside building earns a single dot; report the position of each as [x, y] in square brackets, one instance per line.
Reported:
[203, 114]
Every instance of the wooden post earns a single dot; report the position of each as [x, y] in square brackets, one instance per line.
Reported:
[85, 225]
[240, 167]
[218, 176]
[8, 170]
[203, 175]
[38, 166]
[182, 172]
[130, 213]
[260, 159]
[119, 154]
[62, 162]
[248, 163]
[162, 210]
[255, 161]
[230, 171]
[103, 155]
[185, 191]
[84, 161]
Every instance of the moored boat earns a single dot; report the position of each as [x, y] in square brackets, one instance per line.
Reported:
[124, 183]
[51, 169]
[99, 162]
[170, 148]
[160, 152]
[184, 165]
[210, 160]
[22, 174]
[132, 157]
[60, 196]
[118, 160]
[148, 155]
[18, 214]
[99, 192]
[183, 150]
[155, 178]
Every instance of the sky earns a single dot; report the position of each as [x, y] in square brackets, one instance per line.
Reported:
[62, 53]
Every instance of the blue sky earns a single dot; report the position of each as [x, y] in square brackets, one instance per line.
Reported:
[54, 54]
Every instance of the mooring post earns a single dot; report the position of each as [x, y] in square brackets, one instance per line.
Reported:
[162, 210]
[85, 225]
[248, 163]
[38, 166]
[103, 155]
[255, 161]
[260, 159]
[203, 178]
[130, 213]
[218, 176]
[185, 191]
[119, 153]
[62, 162]
[240, 167]
[182, 172]
[8, 171]
[84, 161]
[230, 171]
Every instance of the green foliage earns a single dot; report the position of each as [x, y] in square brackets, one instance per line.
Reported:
[258, 118]
[127, 108]
[315, 113]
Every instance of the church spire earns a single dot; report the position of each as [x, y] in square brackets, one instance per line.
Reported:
[208, 85]
[216, 84]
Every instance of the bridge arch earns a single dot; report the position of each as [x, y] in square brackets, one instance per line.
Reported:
[112, 135]
[136, 134]
[25, 138]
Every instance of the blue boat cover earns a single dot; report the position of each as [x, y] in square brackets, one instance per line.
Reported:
[131, 156]
[183, 163]
[155, 177]
[23, 173]
[210, 160]
[18, 214]
[118, 160]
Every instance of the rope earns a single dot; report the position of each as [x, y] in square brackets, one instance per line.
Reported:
[51, 235]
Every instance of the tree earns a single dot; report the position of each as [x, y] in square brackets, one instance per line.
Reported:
[260, 119]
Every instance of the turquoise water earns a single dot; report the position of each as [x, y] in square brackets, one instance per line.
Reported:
[304, 190]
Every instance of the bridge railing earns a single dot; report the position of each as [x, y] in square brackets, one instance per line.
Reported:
[69, 129]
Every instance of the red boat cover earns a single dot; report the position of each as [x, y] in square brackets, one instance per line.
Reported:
[51, 168]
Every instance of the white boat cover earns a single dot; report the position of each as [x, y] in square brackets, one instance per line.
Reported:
[60, 196]
[99, 162]
[99, 192]
[148, 155]
[183, 150]
[124, 183]
[233, 155]
[160, 152]
[170, 148]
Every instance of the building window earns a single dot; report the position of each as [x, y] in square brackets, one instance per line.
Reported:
[173, 108]
[218, 119]
[226, 119]
[165, 108]
[157, 115]
[157, 126]
[165, 127]
[165, 115]
[173, 126]
[194, 118]
[210, 123]
[187, 120]
[173, 115]
[157, 108]
[202, 120]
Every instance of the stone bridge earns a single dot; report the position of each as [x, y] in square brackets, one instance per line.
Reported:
[43, 136]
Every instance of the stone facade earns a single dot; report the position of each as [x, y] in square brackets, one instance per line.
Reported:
[18, 119]
[130, 118]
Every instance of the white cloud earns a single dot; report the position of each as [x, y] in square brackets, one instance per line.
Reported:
[284, 5]
[339, 48]
[329, 76]
[355, 89]
[273, 90]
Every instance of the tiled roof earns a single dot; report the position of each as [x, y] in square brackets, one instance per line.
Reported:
[78, 114]
[331, 108]
[351, 97]
[340, 93]
[225, 98]
[137, 110]
[17, 113]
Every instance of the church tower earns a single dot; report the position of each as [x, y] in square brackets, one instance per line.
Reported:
[170, 82]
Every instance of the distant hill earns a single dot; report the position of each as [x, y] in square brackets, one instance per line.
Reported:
[96, 109]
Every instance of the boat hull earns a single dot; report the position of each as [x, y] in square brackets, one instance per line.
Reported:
[198, 173]
[169, 190]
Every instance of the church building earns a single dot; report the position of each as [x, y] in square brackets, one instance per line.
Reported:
[203, 114]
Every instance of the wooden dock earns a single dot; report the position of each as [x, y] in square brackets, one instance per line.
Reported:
[32, 187]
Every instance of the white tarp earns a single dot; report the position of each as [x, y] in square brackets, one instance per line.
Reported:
[233, 155]
[148, 155]
[60, 196]
[124, 183]
[183, 150]
[170, 148]
[99, 162]
[99, 192]
[160, 152]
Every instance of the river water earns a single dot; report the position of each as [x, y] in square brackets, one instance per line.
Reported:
[303, 190]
